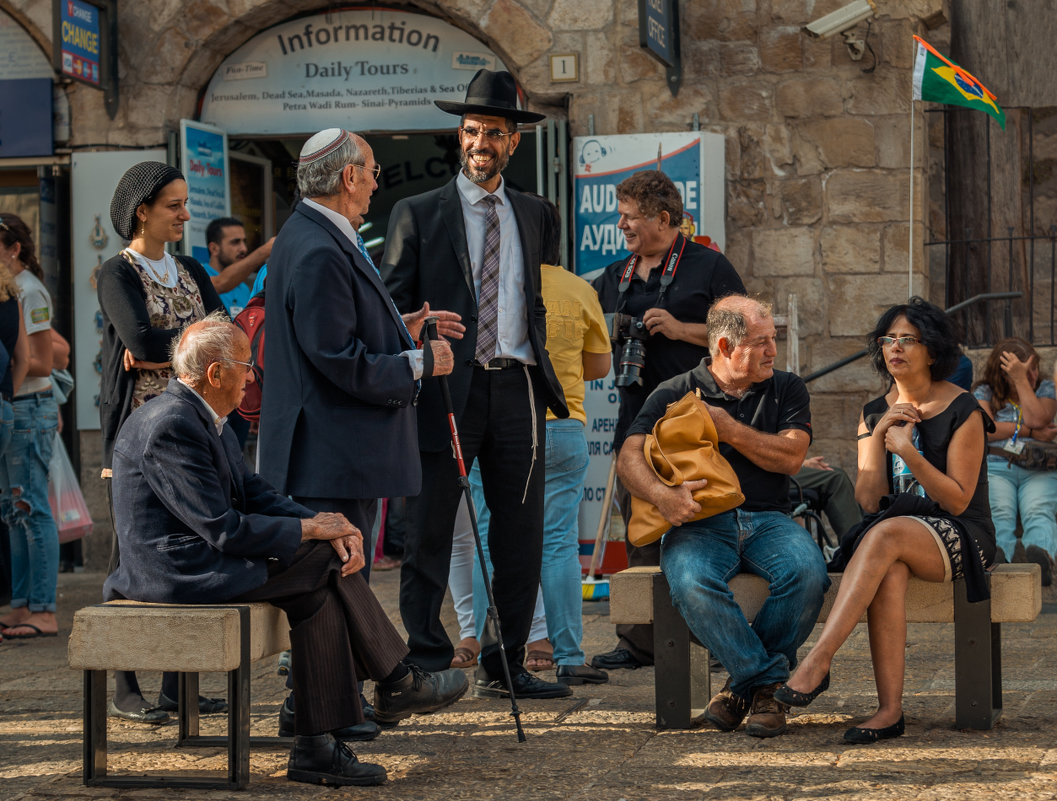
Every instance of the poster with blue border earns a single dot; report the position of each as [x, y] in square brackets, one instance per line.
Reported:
[694, 160]
[81, 54]
[204, 162]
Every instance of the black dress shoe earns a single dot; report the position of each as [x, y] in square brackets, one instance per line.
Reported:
[320, 759]
[617, 659]
[526, 685]
[580, 674]
[361, 732]
[418, 693]
[145, 714]
[206, 706]
[861, 736]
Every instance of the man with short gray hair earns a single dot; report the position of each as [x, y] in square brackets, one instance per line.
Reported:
[338, 427]
[763, 419]
[196, 527]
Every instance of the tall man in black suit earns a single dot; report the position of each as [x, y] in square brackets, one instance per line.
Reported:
[474, 247]
[195, 526]
[338, 427]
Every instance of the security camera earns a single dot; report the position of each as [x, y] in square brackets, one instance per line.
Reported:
[843, 18]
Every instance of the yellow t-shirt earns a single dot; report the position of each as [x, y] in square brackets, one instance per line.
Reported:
[574, 325]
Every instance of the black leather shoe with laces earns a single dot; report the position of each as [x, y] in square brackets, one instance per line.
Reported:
[206, 706]
[360, 732]
[525, 686]
[617, 659]
[320, 759]
[418, 693]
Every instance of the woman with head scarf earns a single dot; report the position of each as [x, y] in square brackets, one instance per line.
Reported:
[146, 296]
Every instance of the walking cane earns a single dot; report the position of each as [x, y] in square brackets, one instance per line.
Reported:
[464, 484]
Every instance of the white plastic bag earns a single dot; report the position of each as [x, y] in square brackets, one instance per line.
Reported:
[65, 496]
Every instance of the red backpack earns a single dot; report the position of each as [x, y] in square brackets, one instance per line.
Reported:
[251, 320]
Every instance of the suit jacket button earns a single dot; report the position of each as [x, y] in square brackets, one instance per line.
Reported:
[469, 362]
[473, 319]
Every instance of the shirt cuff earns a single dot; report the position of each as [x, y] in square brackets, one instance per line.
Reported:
[414, 358]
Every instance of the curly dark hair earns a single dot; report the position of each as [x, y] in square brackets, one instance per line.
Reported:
[937, 335]
[1002, 389]
[13, 230]
[654, 192]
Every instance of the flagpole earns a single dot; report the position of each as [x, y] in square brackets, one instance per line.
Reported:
[910, 246]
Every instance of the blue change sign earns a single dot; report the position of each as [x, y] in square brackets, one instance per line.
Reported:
[80, 49]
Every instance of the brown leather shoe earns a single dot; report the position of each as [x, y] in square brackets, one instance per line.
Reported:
[767, 716]
[726, 710]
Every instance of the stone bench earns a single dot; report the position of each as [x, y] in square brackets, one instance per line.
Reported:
[683, 685]
[128, 635]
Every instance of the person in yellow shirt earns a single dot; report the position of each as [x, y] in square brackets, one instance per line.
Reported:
[579, 348]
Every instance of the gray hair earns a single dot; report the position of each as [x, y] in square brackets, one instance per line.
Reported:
[728, 319]
[211, 339]
[322, 178]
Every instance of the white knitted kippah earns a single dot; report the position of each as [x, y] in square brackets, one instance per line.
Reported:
[322, 144]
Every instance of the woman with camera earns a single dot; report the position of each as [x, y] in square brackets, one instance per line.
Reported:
[1022, 404]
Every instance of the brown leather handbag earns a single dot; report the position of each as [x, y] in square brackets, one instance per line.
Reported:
[684, 446]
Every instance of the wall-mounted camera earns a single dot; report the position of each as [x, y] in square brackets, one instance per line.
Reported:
[842, 19]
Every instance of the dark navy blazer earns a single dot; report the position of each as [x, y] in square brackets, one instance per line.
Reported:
[193, 524]
[337, 419]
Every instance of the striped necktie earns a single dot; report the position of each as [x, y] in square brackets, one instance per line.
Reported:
[488, 301]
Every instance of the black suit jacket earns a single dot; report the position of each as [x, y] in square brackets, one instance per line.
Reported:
[194, 525]
[337, 419]
[426, 259]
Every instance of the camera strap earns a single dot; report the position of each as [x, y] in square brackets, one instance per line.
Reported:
[671, 265]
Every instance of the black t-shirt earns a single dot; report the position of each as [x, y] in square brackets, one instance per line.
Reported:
[777, 404]
[703, 276]
[9, 337]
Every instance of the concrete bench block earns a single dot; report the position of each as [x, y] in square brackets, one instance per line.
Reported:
[128, 635]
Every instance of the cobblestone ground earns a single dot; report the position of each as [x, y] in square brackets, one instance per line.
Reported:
[600, 744]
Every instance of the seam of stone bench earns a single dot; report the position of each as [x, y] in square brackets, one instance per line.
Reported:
[128, 635]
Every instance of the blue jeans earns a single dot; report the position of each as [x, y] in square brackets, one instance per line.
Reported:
[698, 559]
[1032, 493]
[560, 576]
[24, 504]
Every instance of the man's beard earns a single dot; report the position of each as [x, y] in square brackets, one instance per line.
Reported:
[479, 176]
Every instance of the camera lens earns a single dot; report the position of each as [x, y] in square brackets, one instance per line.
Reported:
[632, 360]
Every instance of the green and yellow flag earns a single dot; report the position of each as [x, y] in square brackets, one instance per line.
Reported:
[939, 80]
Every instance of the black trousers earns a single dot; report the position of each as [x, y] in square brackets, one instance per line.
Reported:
[503, 427]
[358, 511]
[339, 634]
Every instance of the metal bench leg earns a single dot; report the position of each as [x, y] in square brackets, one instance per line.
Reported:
[239, 711]
[94, 726]
[977, 649]
[671, 657]
[187, 708]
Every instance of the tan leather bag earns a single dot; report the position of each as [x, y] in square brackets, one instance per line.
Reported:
[684, 446]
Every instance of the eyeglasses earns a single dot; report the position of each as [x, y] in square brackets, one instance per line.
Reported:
[492, 134]
[904, 342]
[376, 169]
[247, 365]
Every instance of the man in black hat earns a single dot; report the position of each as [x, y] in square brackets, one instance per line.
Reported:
[474, 247]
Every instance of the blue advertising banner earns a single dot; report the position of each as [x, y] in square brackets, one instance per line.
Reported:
[25, 118]
[204, 161]
[694, 160]
[80, 49]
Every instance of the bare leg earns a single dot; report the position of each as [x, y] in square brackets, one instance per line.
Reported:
[888, 638]
[898, 539]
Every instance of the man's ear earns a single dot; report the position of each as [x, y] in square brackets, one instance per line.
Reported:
[214, 248]
[724, 346]
[213, 375]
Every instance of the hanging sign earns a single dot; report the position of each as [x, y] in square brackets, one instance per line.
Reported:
[204, 163]
[694, 160]
[365, 69]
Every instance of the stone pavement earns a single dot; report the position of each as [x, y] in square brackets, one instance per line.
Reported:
[600, 744]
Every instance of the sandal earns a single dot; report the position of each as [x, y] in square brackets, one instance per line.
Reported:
[538, 659]
[466, 653]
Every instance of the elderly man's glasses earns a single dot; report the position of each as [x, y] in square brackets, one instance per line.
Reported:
[492, 134]
[248, 365]
[376, 169]
[904, 342]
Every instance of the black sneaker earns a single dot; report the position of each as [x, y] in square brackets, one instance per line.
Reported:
[320, 759]
[617, 659]
[418, 693]
[525, 686]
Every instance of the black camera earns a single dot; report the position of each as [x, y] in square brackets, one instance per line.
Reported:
[630, 335]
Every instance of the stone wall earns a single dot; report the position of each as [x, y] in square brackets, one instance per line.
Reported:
[817, 148]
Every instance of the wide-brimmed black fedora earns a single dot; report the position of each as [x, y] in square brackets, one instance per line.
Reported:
[491, 93]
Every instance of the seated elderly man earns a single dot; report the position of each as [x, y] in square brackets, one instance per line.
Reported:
[195, 526]
[763, 419]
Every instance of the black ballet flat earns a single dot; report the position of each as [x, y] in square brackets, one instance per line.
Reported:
[861, 736]
[787, 695]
